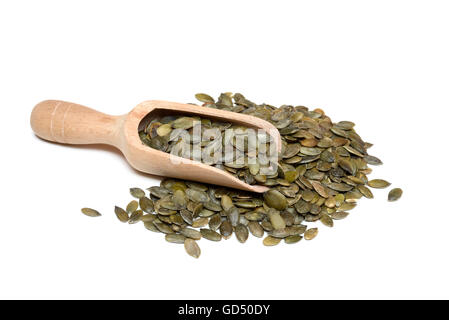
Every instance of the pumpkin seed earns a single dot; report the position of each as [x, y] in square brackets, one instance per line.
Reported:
[293, 239]
[201, 222]
[327, 220]
[192, 248]
[276, 220]
[365, 191]
[150, 226]
[135, 216]
[394, 194]
[163, 227]
[233, 216]
[271, 241]
[378, 183]
[164, 130]
[310, 233]
[204, 98]
[191, 233]
[210, 235]
[338, 215]
[146, 205]
[275, 199]
[90, 212]
[241, 233]
[320, 189]
[226, 202]
[121, 214]
[179, 199]
[226, 229]
[196, 195]
[175, 238]
[137, 193]
[215, 222]
[132, 206]
[255, 229]
[183, 123]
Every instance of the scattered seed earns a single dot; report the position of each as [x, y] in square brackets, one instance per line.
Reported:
[192, 248]
[132, 206]
[137, 193]
[90, 212]
[394, 194]
[121, 214]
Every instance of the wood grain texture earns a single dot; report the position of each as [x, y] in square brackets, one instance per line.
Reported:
[71, 123]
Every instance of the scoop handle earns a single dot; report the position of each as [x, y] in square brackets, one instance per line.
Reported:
[66, 122]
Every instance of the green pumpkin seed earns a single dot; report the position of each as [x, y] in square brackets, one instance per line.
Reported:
[276, 220]
[320, 189]
[210, 235]
[162, 227]
[311, 233]
[164, 130]
[271, 241]
[233, 216]
[226, 202]
[158, 192]
[179, 199]
[346, 206]
[121, 214]
[327, 220]
[339, 186]
[132, 206]
[204, 98]
[378, 183]
[192, 248]
[196, 195]
[241, 233]
[201, 222]
[372, 160]
[365, 191]
[148, 218]
[293, 239]
[191, 233]
[90, 212]
[186, 216]
[146, 205]
[135, 217]
[137, 193]
[215, 222]
[175, 238]
[150, 226]
[183, 123]
[275, 199]
[226, 229]
[394, 194]
[338, 215]
[255, 229]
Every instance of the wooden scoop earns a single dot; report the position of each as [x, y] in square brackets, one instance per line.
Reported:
[71, 123]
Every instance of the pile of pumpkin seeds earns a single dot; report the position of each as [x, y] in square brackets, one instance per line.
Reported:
[244, 152]
[321, 173]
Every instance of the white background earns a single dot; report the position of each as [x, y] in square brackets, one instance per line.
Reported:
[382, 64]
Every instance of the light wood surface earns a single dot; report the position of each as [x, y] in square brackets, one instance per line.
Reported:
[71, 123]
